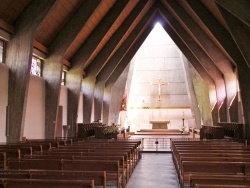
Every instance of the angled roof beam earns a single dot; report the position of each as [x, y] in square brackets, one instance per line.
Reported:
[226, 40]
[18, 59]
[219, 59]
[193, 60]
[114, 61]
[242, 38]
[7, 27]
[53, 65]
[101, 59]
[118, 71]
[215, 54]
[239, 9]
[203, 58]
[84, 53]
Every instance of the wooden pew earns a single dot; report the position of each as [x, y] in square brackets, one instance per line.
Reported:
[101, 152]
[3, 160]
[218, 180]
[209, 157]
[123, 165]
[33, 147]
[177, 155]
[132, 146]
[84, 155]
[135, 152]
[124, 169]
[42, 183]
[220, 186]
[99, 177]
[212, 167]
[111, 167]
[10, 153]
[53, 142]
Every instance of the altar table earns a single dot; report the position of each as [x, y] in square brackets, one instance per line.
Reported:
[159, 124]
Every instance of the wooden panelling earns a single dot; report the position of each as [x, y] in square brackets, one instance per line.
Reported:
[7, 27]
[10, 10]
[56, 19]
[89, 27]
[112, 30]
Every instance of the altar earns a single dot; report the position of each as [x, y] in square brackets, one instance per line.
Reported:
[159, 124]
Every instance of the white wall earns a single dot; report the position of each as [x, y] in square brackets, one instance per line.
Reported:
[158, 57]
[4, 77]
[34, 120]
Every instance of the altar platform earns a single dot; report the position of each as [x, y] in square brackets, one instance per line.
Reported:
[160, 132]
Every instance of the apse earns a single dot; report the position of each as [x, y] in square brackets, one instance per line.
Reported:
[158, 89]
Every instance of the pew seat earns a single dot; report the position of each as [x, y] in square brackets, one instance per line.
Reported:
[44, 183]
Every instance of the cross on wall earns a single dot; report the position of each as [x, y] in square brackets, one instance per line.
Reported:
[159, 84]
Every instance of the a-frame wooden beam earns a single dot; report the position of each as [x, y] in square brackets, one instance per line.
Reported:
[101, 59]
[221, 34]
[84, 53]
[242, 38]
[18, 59]
[216, 55]
[114, 60]
[117, 72]
[203, 58]
[196, 64]
[53, 66]
[239, 9]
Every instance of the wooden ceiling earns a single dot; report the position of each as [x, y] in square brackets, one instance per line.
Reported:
[200, 20]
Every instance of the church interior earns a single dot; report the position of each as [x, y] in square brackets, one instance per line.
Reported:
[94, 86]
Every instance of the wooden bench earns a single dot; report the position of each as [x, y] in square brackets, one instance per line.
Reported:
[98, 155]
[41, 183]
[129, 158]
[3, 160]
[99, 177]
[220, 186]
[212, 167]
[209, 157]
[33, 147]
[124, 168]
[218, 180]
[123, 165]
[111, 167]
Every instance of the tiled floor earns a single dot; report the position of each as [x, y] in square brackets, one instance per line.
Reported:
[155, 170]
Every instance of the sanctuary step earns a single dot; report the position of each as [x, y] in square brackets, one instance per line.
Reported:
[160, 132]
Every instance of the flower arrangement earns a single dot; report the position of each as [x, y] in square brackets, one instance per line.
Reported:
[112, 128]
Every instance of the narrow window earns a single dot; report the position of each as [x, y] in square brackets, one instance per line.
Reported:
[1, 51]
[63, 78]
[36, 66]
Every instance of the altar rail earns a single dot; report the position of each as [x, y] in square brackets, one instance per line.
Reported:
[155, 145]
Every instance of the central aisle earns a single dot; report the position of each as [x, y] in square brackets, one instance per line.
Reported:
[155, 170]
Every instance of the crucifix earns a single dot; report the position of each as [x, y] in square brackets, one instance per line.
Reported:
[159, 84]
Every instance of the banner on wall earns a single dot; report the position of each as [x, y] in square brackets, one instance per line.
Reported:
[123, 111]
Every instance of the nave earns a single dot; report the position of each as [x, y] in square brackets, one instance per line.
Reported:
[110, 163]
[154, 170]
